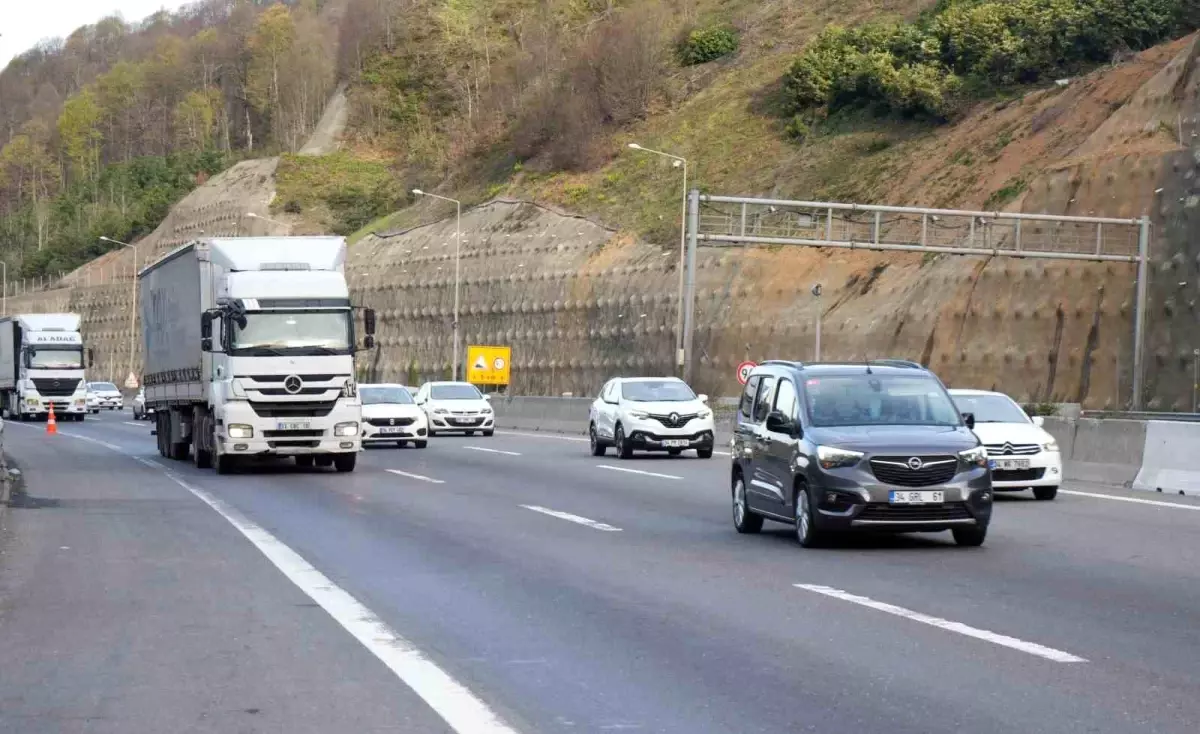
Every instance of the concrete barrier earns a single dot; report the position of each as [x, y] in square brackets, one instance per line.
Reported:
[1105, 451]
[1168, 464]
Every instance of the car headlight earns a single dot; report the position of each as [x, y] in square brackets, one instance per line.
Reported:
[704, 415]
[639, 414]
[350, 390]
[440, 411]
[237, 390]
[240, 430]
[831, 458]
[345, 429]
[1050, 445]
[977, 456]
[486, 411]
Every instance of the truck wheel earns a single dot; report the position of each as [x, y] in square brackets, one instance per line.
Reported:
[304, 461]
[223, 463]
[345, 462]
[323, 461]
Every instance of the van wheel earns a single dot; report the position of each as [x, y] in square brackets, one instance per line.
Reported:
[624, 448]
[745, 521]
[970, 537]
[807, 533]
[1045, 494]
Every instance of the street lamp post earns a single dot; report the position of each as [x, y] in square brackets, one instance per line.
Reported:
[4, 265]
[816, 291]
[457, 255]
[682, 163]
[133, 307]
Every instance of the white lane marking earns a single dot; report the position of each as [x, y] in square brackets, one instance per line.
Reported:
[543, 435]
[492, 451]
[455, 703]
[1115, 498]
[1031, 648]
[422, 477]
[610, 467]
[574, 518]
[139, 424]
[89, 439]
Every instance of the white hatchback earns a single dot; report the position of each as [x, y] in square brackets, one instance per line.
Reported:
[650, 414]
[456, 407]
[391, 415]
[1022, 454]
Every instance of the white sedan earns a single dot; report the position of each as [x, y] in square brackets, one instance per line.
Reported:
[456, 407]
[650, 414]
[391, 415]
[1022, 454]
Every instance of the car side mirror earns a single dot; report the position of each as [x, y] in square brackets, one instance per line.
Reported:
[1039, 421]
[91, 357]
[487, 397]
[703, 398]
[777, 422]
[969, 419]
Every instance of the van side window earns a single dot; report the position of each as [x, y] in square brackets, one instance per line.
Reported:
[785, 399]
[766, 396]
[746, 406]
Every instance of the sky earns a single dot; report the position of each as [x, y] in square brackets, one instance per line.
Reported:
[23, 23]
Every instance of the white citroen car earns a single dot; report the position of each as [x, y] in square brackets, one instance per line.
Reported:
[1022, 454]
[391, 415]
[456, 407]
[650, 414]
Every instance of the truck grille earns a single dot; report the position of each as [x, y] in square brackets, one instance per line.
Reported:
[915, 513]
[292, 409]
[895, 470]
[305, 378]
[279, 391]
[56, 387]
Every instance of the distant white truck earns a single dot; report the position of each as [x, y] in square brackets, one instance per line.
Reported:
[42, 362]
[249, 352]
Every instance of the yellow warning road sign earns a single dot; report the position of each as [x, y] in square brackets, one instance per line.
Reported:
[489, 365]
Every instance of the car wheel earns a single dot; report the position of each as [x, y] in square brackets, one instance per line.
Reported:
[674, 452]
[345, 462]
[807, 532]
[970, 537]
[704, 453]
[401, 444]
[1045, 494]
[745, 521]
[597, 446]
[420, 444]
[623, 447]
[468, 433]
[488, 433]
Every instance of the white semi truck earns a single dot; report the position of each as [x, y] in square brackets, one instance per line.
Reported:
[42, 363]
[249, 352]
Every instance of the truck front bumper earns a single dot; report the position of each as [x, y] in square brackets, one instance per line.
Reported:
[62, 406]
[291, 436]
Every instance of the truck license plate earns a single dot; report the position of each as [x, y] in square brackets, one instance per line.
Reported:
[910, 497]
[293, 425]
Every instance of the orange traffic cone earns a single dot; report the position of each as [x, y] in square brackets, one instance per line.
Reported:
[51, 423]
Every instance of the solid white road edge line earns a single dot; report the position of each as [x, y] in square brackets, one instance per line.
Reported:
[1031, 648]
[423, 478]
[1115, 498]
[142, 424]
[574, 518]
[543, 435]
[458, 707]
[610, 467]
[492, 451]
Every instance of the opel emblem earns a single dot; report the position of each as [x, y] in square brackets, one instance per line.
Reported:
[915, 463]
[293, 383]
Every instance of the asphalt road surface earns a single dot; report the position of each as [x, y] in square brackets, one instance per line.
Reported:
[517, 584]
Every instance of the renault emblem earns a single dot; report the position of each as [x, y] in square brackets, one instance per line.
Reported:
[293, 383]
[915, 463]
[674, 417]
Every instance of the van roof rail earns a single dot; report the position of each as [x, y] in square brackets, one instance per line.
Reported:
[899, 363]
[785, 363]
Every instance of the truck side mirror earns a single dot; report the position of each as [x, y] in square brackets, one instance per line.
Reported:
[369, 321]
[91, 356]
[206, 320]
[206, 344]
[368, 342]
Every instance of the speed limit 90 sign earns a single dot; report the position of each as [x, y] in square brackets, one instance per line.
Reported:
[743, 371]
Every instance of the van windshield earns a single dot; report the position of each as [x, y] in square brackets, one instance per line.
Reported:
[878, 400]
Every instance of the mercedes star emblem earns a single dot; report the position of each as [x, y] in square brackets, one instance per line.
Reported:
[292, 383]
[915, 463]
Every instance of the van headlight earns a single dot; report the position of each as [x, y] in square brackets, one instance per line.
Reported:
[831, 458]
[240, 430]
[345, 429]
[350, 390]
[977, 456]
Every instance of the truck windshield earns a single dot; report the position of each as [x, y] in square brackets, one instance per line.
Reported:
[55, 359]
[293, 332]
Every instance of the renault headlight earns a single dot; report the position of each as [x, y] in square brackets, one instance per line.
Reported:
[1050, 445]
[350, 390]
[639, 414]
[831, 458]
[704, 415]
[240, 430]
[977, 456]
[345, 429]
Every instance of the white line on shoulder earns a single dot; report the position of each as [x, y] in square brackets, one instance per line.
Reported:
[577, 519]
[610, 467]
[410, 475]
[492, 451]
[1135, 500]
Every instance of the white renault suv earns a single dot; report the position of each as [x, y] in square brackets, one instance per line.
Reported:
[391, 415]
[1021, 453]
[108, 395]
[456, 407]
[650, 414]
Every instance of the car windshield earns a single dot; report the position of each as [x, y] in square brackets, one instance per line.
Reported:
[991, 408]
[878, 400]
[657, 391]
[293, 332]
[104, 387]
[55, 359]
[384, 395]
[454, 392]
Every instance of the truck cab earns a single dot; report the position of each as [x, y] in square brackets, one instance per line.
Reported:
[42, 365]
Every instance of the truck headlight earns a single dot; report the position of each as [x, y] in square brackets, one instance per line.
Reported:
[240, 430]
[977, 456]
[345, 429]
[350, 389]
[831, 458]
[32, 401]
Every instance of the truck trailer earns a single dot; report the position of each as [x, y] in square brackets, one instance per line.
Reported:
[42, 363]
[249, 347]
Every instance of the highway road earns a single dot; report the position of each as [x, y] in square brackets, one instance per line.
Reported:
[517, 584]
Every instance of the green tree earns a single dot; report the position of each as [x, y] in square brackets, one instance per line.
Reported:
[195, 119]
[79, 129]
[273, 35]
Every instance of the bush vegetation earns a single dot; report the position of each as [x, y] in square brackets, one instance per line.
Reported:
[967, 48]
[707, 44]
[353, 191]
